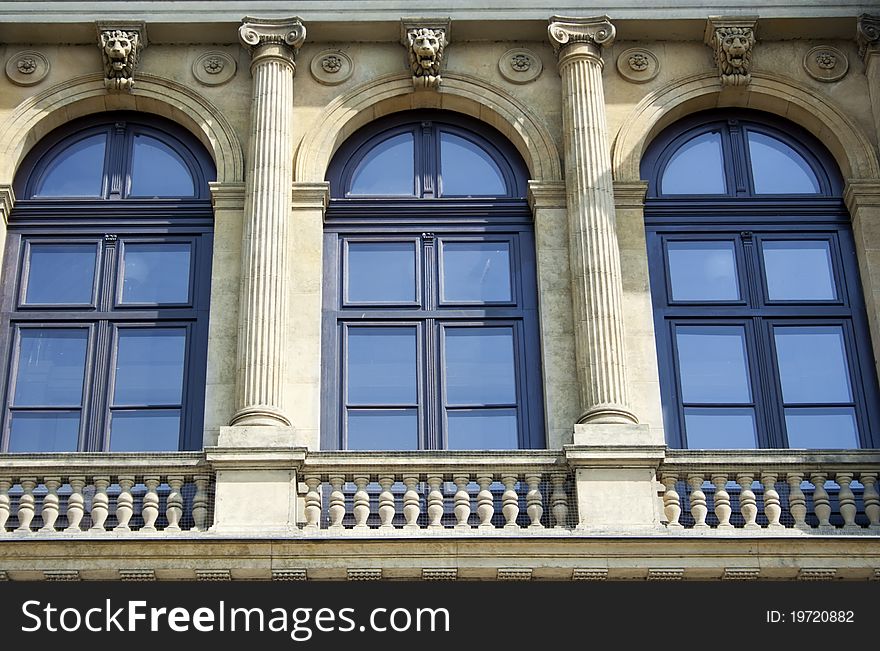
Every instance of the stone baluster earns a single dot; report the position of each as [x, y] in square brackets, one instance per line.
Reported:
[313, 504]
[150, 506]
[51, 504]
[723, 510]
[435, 502]
[75, 504]
[597, 289]
[26, 508]
[699, 510]
[263, 324]
[559, 501]
[821, 502]
[174, 503]
[748, 503]
[100, 503]
[337, 503]
[671, 500]
[871, 498]
[797, 501]
[411, 504]
[510, 502]
[200, 503]
[847, 501]
[485, 502]
[361, 503]
[124, 503]
[387, 508]
[772, 504]
[462, 502]
[534, 501]
[5, 510]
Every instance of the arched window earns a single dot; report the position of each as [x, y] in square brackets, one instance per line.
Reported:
[430, 300]
[106, 288]
[760, 322]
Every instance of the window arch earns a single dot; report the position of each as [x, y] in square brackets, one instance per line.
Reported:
[430, 301]
[106, 289]
[761, 327]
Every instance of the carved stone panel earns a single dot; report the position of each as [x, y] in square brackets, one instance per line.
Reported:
[121, 43]
[425, 41]
[826, 63]
[27, 68]
[732, 41]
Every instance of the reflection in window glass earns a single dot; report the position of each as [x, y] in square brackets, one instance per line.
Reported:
[482, 429]
[60, 273]
[383, 429]
[779, 169]
[799, 270]
[712, 364]
[158, 171]
[479, 366]
[149, 366]
[77, 171]
[145, 430]
[468, 170]
[812, 364]
[476, 271]
[156, 273]
[34, 431]
[381, 366]
[702, 271]
[388, 169]
[381, 272]
[719, 429]
[697, 167]
[51, 363]
[831, 428]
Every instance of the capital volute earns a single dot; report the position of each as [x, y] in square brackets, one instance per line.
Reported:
[278, 38]
[868, 35]
[584, 35]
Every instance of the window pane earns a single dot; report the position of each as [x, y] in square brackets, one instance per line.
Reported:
[44, 432]
[712, 363]
[799, 270]
[381, 272]
[145, 431]
[381, 366]
[60, 273]
[388, 169]
[812, 364]
[697, 167]
[51, 364]
[779, 169]
[833, 428]
[158, 171]
[476, 271]
[718, 429]
[484, 429]
[156, 273]
[385, 429]
[149, 366]
[479, 366]
[468, 170]
[703, 271]
[77, 171]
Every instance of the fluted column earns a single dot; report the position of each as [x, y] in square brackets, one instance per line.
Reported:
[595, 258]
[868, 39]
[263, 317]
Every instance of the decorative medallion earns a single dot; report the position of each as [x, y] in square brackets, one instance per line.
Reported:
[520, 66]
[331, 67]
[826, 63]
[27, 68]
[638, 65]
[214, 68]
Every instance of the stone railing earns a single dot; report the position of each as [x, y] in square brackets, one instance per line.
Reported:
[364, 493]
[143, 493]
[772, 491]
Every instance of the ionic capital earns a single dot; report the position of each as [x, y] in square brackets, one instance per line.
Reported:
[868, 35]
[277, 38]
[580, 36]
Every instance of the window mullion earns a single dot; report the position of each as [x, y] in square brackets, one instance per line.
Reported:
[116, 160]
[738, 156]
[98, 388]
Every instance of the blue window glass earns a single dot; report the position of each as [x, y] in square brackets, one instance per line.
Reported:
[158, 171]
[697, 167]
[383, 429]
[149, 366]
[76, 171]
[60, 274]
[482, 429]
[713, 364]
[779, 169]
[479, 366]
[139, 430]
[35, 431]
[51, 364]
[466, 169]
[812, 364]
[822, 427]
[381, 366]
[381, 272]
[387, 170]
[156, 272]
[476, 272]
[721, 428]
[799, 270]
[703, 271]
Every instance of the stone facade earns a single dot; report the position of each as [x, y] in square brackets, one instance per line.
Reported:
[580, 98]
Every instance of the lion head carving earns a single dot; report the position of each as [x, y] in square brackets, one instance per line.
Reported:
[733, 53]
[120, 50]
[425, 47]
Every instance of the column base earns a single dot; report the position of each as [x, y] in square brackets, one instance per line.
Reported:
[608, 414]
[260, 416]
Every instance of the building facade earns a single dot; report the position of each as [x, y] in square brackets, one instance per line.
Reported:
[514, 292]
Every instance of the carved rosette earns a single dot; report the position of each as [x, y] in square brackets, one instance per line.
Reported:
[732, 41]
[425, 42]
[868, 35]
[270, 38]
[121, 43]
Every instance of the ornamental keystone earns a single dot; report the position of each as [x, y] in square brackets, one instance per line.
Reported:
[868, 35]
[596, 32]
[425, 40]
[272, 37]
[121, 43]
[732, 40]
